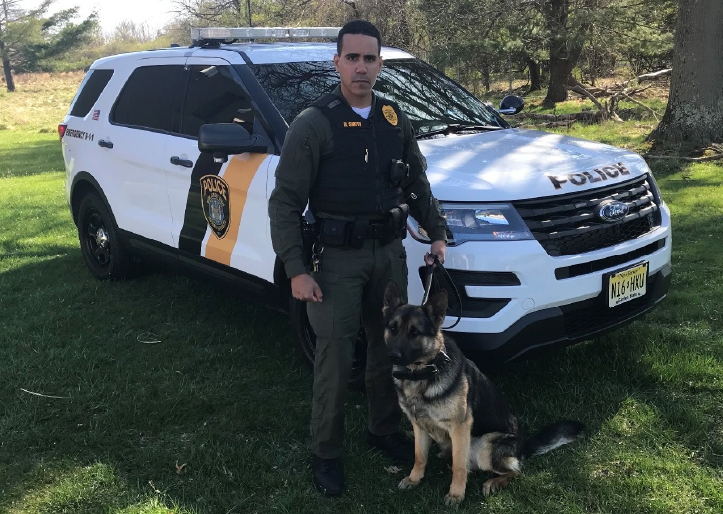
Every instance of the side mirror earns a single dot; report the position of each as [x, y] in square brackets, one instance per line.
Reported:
[511, 104]
[224, 139]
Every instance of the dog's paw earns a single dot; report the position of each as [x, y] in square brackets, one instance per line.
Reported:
[408, 483]
[491, 486]
[453, 499]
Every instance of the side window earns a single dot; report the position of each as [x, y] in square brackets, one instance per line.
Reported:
[147, 99]
[93, 85]
[214, 96]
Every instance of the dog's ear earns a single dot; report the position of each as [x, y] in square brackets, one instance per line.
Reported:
[392, 298]
[436, 307]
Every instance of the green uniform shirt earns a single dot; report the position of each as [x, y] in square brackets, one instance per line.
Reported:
[308, 139]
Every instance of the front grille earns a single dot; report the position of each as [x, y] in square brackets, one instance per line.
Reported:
[586, 268]
[471, 307]
[567, 225]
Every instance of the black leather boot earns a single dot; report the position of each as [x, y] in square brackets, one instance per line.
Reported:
[397, 445]
[328, 476]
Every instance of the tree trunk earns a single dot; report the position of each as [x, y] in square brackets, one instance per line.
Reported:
[486, 77]
[694, 115]
[560, 70]
[535, 81]
[6, 66]
[564, 52]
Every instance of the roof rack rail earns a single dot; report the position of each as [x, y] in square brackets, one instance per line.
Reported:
[213, 36]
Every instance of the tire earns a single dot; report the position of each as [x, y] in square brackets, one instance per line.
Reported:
[100, 243]
[305, 341]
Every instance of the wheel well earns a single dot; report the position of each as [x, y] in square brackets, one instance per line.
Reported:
[83, 184]
[80, 189]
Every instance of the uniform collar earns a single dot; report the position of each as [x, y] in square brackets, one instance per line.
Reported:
[337, 92]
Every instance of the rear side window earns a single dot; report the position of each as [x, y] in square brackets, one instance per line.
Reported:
[91, 88]
[214, 96]
[147, 99]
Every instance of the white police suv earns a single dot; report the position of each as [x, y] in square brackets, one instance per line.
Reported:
[170, 154]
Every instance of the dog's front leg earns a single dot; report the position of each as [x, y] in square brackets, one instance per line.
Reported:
[422, 443]
[460, 434]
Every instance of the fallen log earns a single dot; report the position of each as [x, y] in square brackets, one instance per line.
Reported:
[687, 159]
[559, 124]
[654, 75]
[588, 116]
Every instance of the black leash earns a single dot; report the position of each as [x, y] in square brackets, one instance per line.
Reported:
[428, 287]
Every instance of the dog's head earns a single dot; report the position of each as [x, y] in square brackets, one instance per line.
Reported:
[412, 332]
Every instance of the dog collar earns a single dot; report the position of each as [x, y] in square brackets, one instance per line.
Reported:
[428, 372]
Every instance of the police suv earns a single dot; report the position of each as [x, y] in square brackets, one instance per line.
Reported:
[170, 154]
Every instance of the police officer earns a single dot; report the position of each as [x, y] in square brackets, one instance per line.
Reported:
[353, 157]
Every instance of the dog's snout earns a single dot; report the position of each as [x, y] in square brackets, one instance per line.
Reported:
[395, 355]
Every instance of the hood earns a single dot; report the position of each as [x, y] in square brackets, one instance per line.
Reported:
[517, 164]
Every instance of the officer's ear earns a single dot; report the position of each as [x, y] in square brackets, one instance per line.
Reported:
[336, 62]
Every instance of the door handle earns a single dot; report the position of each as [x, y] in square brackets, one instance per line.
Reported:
[181, 162]
[105, 144]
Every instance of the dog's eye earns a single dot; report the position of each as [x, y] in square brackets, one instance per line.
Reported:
[413, 332]
[393, 330]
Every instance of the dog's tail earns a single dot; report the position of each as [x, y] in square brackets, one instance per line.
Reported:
[552, 436]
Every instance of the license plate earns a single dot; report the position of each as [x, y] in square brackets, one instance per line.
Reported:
[628, 284]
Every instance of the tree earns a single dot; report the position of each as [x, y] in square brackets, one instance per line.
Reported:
[8, 14]
[694, 114]
[566, 40]
[29, 38]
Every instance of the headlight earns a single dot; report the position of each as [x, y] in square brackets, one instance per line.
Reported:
[477, 222]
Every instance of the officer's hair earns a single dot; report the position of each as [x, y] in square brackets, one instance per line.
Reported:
[359, 27]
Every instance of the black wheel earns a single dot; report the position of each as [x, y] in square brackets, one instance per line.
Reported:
[305, 341]
[99, 242]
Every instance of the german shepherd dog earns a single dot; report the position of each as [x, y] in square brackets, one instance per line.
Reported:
[449, 401]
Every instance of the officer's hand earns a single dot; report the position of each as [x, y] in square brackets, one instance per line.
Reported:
[305, 288]
[439, 248]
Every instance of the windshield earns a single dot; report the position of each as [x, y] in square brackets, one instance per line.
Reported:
[431, 100]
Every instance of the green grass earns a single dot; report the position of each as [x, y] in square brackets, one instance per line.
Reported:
[223, 392]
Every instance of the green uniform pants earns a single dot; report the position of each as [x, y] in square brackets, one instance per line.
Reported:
[352, 282]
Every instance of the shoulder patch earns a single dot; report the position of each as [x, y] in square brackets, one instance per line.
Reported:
[333, 104]
[390, 114]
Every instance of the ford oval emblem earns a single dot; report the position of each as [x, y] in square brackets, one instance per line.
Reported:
[612, 210]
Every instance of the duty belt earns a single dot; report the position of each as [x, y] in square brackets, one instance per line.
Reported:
[345, 233]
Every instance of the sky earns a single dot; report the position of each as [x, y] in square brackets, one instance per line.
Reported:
[154, 13]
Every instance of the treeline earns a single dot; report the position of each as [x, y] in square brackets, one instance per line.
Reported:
[554, 42]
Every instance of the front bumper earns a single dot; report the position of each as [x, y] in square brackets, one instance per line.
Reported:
[563, 326]
[517, 299]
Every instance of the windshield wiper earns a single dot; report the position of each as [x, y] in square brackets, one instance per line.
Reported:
[454, 128]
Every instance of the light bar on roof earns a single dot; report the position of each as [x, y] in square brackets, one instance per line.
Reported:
[222, 33]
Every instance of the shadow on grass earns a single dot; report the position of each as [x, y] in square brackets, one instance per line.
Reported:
[153, 372]
[177, 392]
[30, 157]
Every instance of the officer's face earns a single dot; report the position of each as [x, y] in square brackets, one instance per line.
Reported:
[358, 67]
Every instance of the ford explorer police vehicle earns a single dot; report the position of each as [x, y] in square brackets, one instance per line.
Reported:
[552, 239]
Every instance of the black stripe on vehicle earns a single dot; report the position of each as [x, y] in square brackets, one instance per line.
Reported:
[194, 222]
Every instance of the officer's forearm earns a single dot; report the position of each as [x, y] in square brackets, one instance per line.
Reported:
[423, 208]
